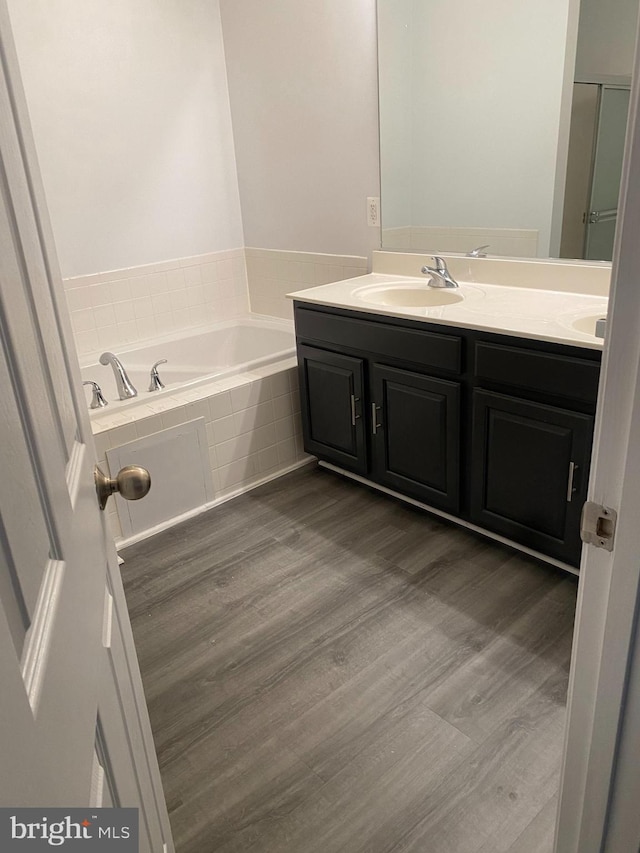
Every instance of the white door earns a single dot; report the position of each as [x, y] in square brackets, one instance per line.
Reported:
[74, 728]
[600, 788]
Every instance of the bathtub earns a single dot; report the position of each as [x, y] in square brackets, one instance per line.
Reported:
[231, 394]
[228, 348]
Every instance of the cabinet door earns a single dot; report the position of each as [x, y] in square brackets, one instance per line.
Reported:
[332, 391]
[529, 472]
[415, 425]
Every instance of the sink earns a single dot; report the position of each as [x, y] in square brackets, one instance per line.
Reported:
[412, 296]
[588, 325]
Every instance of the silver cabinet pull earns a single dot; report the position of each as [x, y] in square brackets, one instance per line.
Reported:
[375, 426]
[354, 417]
[570, 487]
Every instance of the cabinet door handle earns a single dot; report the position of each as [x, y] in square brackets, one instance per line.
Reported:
[570, 487]
[354, 417]
[375, 426]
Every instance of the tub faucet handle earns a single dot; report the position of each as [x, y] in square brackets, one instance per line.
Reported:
[156, 384]
[97, 397]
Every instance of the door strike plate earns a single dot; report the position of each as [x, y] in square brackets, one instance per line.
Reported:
[598, 525]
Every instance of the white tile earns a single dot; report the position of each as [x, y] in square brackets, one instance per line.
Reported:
[195, 295]
[209, 272]
[196, 316]
[284, 429]
[213, 458]
[192, 275]
[268, 459]
[249, 394]
[174, 417]
[294, 382]
[164, 323]
[104, 315]
[120, 290]
[128, 331]
[279, 383]
[85, 342]
[240, 471]
[101, 441]
[109, 337]
[263, 437]
[175, 279]
[141, 286]
[122, 434]
[235, 448]
[211, 438]
[146, 328]
[143, 307]
[224, 429]
[100, 294]
[287, 450]
[220, 405]
[83, 321]
[79, 298]
[198, 409]
[255, 416]
[225, 269]
[295, 401]
[148, 426]
[123, 311]
[181, 318]
[161, 303]
[157, 283]
[178, 299]
[283, 406]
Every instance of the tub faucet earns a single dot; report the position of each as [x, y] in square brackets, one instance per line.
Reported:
[123, 383]
[440, 275]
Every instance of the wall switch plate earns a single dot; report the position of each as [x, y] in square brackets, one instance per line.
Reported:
[373, 212]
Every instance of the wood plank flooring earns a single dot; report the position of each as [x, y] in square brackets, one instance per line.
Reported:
[330, 671]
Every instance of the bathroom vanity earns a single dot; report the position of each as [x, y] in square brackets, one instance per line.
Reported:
[491, 428]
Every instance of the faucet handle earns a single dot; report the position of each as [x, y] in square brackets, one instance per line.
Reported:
[478, 253]
[441, 265]
[97, 399]
[156, 384]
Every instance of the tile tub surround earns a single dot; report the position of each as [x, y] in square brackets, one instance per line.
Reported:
[253, 430]
[142, 303]
[273, 273]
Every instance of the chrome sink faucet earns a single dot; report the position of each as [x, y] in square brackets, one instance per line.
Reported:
[440, 275]
[123, 383]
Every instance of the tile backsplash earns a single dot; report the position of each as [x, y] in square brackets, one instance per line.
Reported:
[137, 304]
[141, 303]
[273, 273]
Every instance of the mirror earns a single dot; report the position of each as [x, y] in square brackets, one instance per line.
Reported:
[503, 124]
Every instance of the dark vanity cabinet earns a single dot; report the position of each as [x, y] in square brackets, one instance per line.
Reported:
[492, 429]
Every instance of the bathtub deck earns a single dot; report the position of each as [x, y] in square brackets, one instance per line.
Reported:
[329, 671]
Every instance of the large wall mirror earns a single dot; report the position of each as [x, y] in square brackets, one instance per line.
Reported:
[503, 123]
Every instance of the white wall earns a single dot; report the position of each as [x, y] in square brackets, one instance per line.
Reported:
[606, 37]
[302, 79]
[130, 112]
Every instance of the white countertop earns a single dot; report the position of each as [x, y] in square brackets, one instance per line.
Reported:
[546, 315]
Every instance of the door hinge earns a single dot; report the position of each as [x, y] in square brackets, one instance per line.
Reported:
[598, 525]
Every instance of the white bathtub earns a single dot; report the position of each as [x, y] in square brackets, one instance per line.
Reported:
[228, 348]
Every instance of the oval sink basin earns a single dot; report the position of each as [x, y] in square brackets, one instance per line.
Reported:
[401, 296]
[588, 325]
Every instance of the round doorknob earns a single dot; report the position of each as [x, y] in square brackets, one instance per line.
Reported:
[132, 483]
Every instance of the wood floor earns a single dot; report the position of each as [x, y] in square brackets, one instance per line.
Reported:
[329, 671]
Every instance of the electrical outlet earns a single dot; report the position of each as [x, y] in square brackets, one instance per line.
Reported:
[373, 212]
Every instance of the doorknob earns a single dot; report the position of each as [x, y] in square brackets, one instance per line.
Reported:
[132, 482]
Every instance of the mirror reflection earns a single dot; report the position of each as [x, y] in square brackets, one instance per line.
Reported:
[503, 124]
